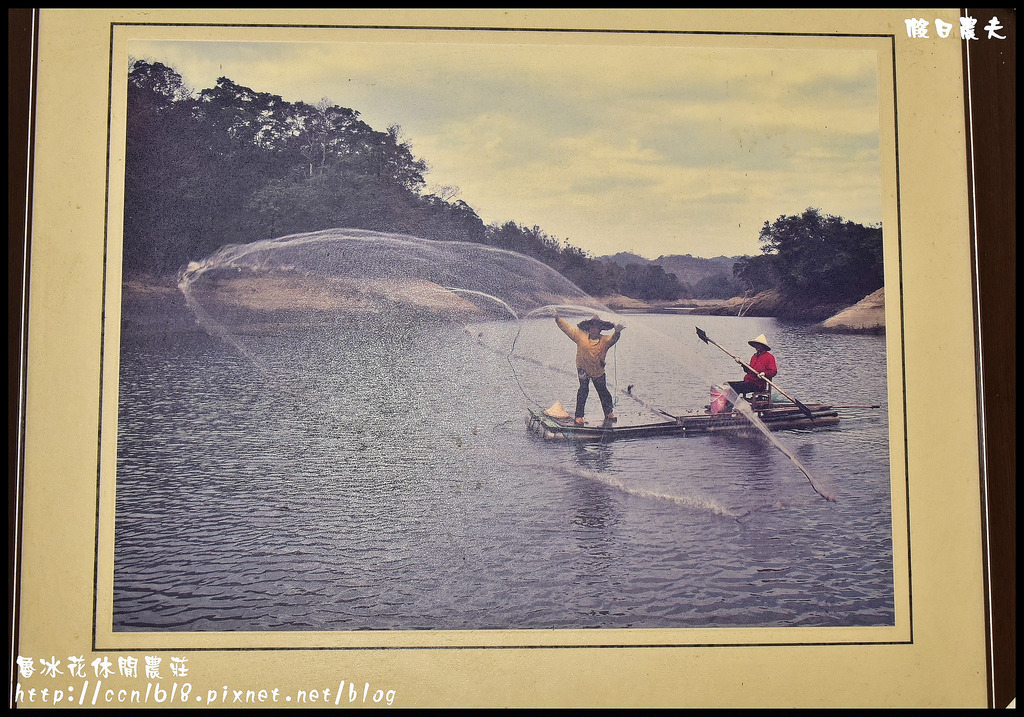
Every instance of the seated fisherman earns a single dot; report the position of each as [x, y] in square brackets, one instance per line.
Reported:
[763, 365]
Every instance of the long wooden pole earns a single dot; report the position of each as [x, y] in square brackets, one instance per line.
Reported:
[704, 337]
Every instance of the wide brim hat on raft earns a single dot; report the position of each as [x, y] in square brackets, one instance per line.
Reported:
[596, 322]
[760, 341]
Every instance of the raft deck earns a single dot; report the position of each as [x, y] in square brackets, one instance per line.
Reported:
[775, 418]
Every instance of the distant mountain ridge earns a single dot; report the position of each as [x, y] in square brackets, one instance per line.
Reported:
[689, 270]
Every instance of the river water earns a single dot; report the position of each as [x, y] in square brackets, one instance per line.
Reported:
[344, 478]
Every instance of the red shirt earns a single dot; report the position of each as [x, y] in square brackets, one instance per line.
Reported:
[761, 363]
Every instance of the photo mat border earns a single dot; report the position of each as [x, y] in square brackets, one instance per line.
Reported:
[899, 633]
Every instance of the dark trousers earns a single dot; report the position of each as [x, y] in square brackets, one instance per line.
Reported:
[742, 387]
[601, 384]
[745, 387]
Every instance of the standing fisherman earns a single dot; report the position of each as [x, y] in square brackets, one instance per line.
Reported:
[591, 348]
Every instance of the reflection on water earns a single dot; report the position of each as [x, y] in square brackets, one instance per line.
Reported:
[366, 481]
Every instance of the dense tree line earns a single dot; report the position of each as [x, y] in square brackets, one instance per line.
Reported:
[817, 257]
[232, 165]
[646, 281]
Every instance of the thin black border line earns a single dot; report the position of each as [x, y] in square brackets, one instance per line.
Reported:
[534, 646]
[488, 28]
[16, 492]
[103, 345]
[969, 139]
[903, 341]
[201, 635]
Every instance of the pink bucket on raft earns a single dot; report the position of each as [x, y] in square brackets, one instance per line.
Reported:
[719, 400]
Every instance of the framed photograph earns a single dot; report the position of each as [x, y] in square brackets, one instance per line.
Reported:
[511, 358]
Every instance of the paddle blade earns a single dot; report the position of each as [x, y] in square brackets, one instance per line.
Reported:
[701, 335]
[804, 408]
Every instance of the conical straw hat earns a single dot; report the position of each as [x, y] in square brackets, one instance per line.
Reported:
[557, 411]
[760, 340]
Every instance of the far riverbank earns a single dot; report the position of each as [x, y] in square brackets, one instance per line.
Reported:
[156, 302]
[866, 316]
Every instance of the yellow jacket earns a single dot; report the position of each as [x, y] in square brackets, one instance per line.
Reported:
[589, 353]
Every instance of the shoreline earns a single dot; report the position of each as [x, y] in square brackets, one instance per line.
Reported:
[867, 316]
[154, 302]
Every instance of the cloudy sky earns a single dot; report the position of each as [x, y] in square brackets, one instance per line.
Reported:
[654, 149]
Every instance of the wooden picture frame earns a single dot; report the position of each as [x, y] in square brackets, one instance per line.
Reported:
[955, 113]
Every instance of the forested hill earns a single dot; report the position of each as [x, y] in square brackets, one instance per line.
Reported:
[233, 165]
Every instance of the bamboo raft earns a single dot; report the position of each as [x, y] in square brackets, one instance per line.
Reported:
[776, 417]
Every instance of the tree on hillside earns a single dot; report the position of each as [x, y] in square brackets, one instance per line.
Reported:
[571, 262]
[233, 165]
[162, 160]
[757, 273]
[650, 282]
[823, 256]
[597, 278]
[716, 286]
